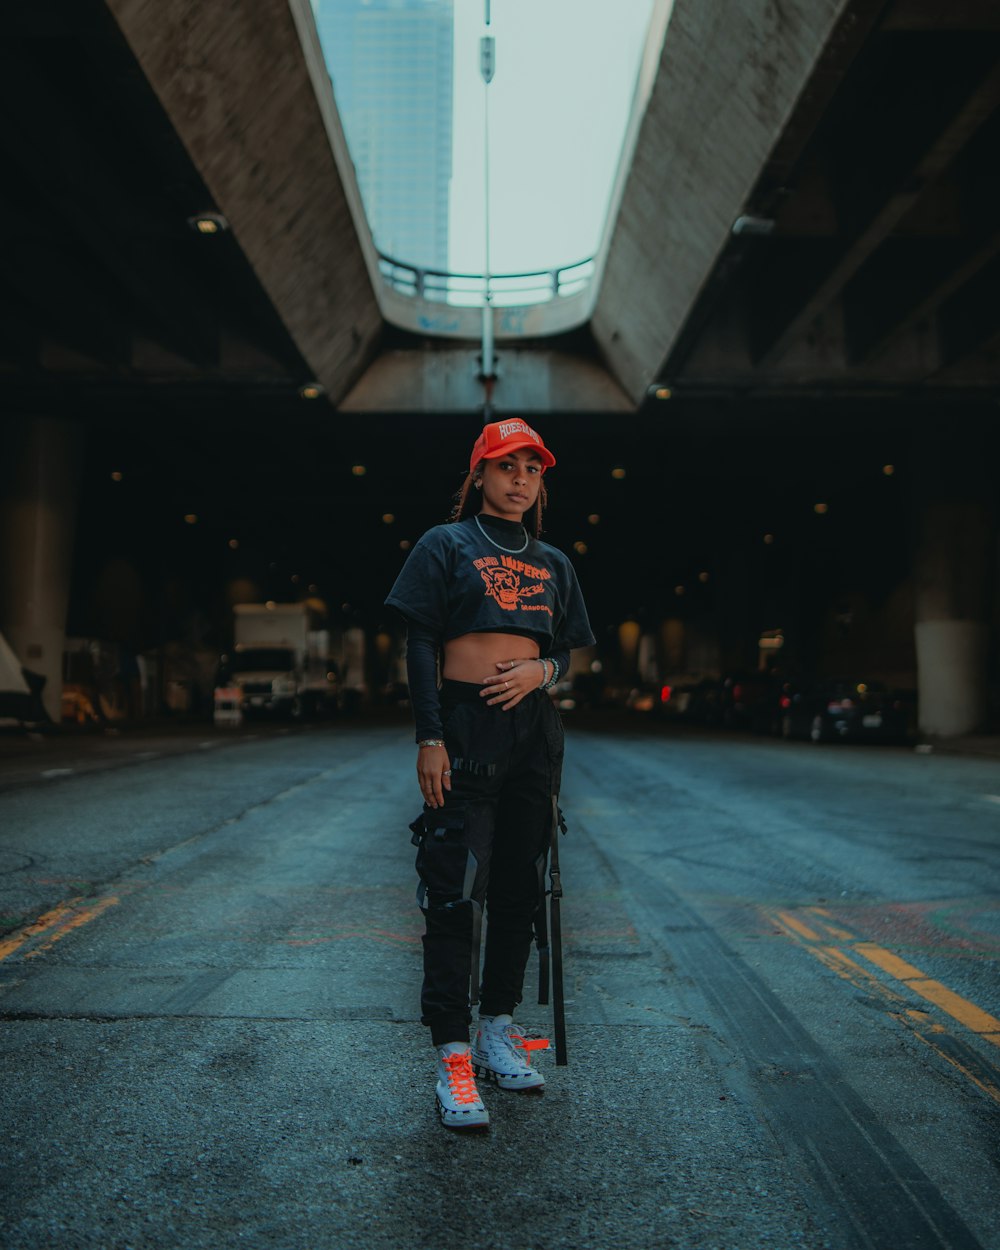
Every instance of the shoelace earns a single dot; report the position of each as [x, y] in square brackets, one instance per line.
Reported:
[528, 1043]
[460, 1079]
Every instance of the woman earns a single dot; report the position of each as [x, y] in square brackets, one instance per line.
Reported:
[501, 610]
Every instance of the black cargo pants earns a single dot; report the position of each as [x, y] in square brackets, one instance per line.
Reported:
[484, 853]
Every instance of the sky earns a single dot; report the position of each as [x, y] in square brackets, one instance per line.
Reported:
[559, 103]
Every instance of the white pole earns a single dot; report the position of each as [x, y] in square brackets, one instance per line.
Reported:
[487, 65]
[487, 305]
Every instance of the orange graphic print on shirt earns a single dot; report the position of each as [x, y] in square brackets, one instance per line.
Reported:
[504, 583]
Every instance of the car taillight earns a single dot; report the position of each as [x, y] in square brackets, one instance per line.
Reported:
[665, 694]
[737, 692]
[785, 701]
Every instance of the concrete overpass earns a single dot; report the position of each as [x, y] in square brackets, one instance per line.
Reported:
[806, 208]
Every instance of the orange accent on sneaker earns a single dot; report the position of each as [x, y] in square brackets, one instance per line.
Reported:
[529, 1043]
[461, 1082]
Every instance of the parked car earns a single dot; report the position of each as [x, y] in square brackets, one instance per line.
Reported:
[642, 698]
[752, 701]
[697, 702]
[839, 709]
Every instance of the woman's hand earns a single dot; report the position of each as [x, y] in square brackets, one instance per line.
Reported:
[516, 679]
[434, 774]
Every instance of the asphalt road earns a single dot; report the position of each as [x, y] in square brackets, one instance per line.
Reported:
[783, 1004]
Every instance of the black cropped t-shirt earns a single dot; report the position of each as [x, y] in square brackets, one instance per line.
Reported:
[459, 580]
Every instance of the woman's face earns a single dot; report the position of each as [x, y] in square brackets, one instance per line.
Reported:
[511, 483]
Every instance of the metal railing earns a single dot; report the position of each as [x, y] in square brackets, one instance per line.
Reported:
[440, 286]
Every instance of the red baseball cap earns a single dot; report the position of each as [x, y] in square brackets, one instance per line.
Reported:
[501, 437]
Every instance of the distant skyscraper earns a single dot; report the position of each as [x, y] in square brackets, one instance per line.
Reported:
[391, 65]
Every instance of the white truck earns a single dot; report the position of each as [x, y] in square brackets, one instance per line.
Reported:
[279, 664]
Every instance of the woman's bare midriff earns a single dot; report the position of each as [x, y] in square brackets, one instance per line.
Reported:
[474, 657]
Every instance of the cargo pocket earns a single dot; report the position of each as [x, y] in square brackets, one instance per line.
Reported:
[447, 870]
[442, 856]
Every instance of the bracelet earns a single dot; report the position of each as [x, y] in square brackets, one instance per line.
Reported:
[553, 680]
[546, 675]
[431, 742]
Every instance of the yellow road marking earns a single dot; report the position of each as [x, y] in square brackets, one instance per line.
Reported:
[974, 1018]
[934, 1035]
[937, 1037]
[843, 935]
[855, 972]
[9, 945]
[888, 962]
[53, 925]
[797, 926]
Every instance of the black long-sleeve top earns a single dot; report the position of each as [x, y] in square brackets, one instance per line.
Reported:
[483, 575]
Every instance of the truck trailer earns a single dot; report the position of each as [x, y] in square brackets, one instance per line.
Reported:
[279, 663]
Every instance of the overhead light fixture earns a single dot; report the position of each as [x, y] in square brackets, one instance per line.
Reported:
[208, 223]
[311, 390]
[748, 224]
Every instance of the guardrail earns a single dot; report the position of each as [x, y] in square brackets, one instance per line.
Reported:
[465, 290]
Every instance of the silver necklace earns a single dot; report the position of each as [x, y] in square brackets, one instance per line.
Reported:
[511, 551]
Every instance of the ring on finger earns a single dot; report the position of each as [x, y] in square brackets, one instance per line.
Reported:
[446, 773]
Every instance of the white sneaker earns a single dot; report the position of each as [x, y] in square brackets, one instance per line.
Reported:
[501, 1053]
[458, 1101]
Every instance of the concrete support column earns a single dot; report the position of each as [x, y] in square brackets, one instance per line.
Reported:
[39, 499]
[953, 578]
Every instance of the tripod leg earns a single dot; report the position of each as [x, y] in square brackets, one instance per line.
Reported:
[555, 927]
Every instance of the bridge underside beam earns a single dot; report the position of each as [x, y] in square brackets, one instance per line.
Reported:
[245, 96]
[876, 253]
[730, 75]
